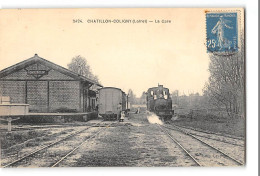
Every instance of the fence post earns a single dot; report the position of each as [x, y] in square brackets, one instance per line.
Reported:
[9, 126]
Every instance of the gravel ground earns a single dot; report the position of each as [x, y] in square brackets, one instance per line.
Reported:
[202, 153]
[229, 139]
[233, 147]
[25, 144]
[237, 152]
[233, 127]
[132, 143]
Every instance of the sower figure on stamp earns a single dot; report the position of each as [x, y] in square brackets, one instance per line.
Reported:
[219, 29]
[119, 109]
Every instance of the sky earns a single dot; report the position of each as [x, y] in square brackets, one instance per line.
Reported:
[130, 55]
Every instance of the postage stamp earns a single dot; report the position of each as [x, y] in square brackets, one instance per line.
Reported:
[222, 32]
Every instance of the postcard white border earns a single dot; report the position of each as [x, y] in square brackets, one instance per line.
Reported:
[251, 23]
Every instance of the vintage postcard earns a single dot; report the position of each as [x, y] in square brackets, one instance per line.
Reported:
[122, 87]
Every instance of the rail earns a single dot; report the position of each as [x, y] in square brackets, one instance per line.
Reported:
[74, 149]
[211, 138]
[196, 161]
[214, 148]
[47, 146]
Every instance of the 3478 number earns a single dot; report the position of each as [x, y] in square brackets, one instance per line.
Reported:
[211, 43]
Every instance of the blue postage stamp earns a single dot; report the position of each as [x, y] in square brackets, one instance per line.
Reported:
[222, 34]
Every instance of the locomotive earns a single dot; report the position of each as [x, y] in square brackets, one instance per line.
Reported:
[159, 102]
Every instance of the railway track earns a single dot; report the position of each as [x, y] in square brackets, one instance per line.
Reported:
[24, 143]
[209, 132]
[78, 146]
[214, 139]
[39, 129]
[44, 147]
[203, 150]
[186, 151]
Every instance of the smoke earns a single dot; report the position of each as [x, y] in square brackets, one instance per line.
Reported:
[153, 119]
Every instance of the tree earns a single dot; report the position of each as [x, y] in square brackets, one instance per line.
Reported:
[132, 96]
[175, 97]
[142, 98]
[225, 87]
[80, 66]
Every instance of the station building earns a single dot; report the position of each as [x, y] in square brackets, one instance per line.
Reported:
[47, 87]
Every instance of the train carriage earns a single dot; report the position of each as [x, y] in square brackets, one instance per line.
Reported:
[109, 101]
